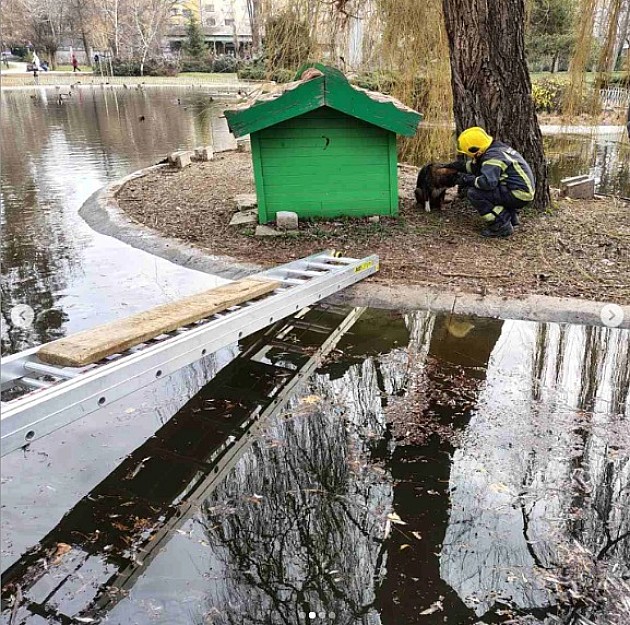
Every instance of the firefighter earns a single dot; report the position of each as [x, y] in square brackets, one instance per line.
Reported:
[497, 179]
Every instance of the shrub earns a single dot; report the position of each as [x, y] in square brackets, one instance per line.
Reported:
[287, 40]
[196, 65]
[252, 71]
[258, 70]
[152, 67]
[225, 64]
[549, 96]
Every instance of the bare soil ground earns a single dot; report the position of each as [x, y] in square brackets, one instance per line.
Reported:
[576, 249]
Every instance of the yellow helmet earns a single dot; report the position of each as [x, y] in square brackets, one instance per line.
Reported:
[473, 141]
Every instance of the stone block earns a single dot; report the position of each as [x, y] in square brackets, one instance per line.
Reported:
[287, 220]
[182, 160]
[243, 144]
[267, 231]
[578, 187]
[204, 153]
[246, 201]
[244, 217]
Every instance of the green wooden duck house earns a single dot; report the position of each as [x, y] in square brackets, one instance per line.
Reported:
[323, 148]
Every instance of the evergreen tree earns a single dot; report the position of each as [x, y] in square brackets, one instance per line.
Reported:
[550, 34]
[194, 45]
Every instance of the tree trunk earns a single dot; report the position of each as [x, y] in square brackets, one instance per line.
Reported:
[624, 34]
[490, 79]
[254, 11]
[51, 50]
[87, 47]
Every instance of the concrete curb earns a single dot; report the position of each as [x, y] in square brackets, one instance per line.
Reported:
[103, 213]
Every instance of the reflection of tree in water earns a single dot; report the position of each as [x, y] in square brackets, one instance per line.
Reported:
[309, 511]
[544, 466]
[314, 540]
[607, 159]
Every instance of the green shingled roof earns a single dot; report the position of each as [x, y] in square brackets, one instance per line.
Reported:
[317, 86]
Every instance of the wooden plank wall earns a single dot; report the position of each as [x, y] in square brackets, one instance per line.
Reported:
[325, 164]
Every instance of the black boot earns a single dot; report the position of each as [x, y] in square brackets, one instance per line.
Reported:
[498, 230]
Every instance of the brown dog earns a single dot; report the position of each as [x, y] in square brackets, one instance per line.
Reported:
[433, 180]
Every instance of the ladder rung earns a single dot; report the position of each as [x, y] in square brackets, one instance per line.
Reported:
[292, 280]
[287, 347]
[33, 383]
[312, 327]
[57, 372]
[343, 259]
[304, 272]
[324, 266]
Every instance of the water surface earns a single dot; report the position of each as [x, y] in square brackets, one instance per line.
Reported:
[54, 157]
[432, 468]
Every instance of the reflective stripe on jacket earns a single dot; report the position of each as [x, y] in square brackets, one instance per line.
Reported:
[501, 164]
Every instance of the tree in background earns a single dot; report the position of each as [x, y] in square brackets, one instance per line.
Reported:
[149, 18]
[550, 35]
[194, 45]
[490, 79]
[254, 11]
[44, 23]
[287, 41]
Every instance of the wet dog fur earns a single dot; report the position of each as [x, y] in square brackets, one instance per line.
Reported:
[433, 180]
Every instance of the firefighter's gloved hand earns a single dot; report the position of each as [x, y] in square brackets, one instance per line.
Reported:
[466, 180]
[458, 165]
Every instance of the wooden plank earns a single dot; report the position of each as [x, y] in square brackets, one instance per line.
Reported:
[393, 174]
[332, 152]
[302, 99]
[259, 178]
[92, 345]
[325, 143]
[307, 131]
[341, 96]
[301, 168]
[351, 181]
[301, 160]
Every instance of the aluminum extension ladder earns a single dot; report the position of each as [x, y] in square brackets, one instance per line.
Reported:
[44, 398]
[99, 572]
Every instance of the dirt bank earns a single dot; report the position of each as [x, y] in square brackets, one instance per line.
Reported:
[578, 249]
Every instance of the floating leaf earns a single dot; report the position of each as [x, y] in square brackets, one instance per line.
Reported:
[61, 551]
[310, 399]
[394, 518]
[405, 546]
[416, 535]
[434, 607]
[499, 487]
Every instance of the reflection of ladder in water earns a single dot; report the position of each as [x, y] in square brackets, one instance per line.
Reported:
[45, 397]
[166, 480]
